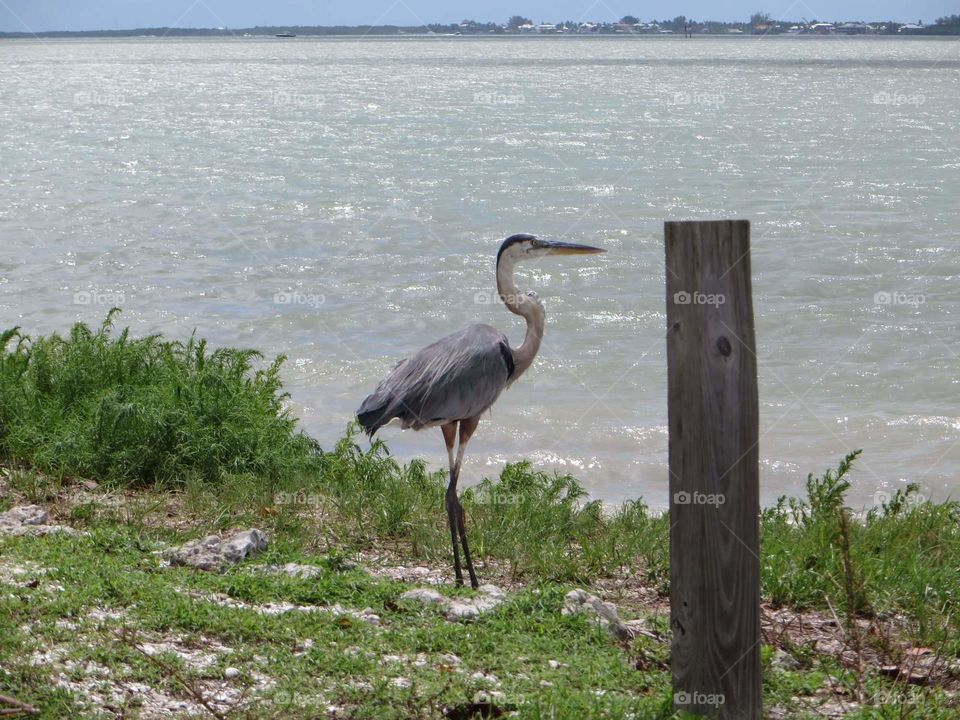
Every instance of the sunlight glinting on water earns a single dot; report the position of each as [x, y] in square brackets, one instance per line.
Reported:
[341, 201]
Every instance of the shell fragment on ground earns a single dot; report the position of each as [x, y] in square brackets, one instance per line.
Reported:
[454, 609]
[215, 553]
[29, 519]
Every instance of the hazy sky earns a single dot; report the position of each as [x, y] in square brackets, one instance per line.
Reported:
[40, 15]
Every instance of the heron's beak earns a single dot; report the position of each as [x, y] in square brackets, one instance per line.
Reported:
[554, 247]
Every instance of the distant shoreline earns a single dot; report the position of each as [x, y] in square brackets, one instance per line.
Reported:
[189, 34]
[671, 30]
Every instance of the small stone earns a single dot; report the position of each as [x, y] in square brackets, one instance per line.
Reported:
[230, 673]
[214, 553]
[25, 515]
[401, 682]
[425, 596]
[485, 678]
[450, 659]
[302, 571]
[31, 519]
[457, 609]
[241, 545]
[784, 660]
[580, 601]
[462, 611]
[492, 591]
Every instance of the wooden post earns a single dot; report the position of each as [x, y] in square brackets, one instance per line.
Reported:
[714, 473]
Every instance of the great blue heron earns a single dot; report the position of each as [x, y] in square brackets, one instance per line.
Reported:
[455, 380]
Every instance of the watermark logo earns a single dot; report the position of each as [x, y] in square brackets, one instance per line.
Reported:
[94, 297]
[896, 99]
[708, 99]
[685, 698]
[698, 298]
[292, 98]
[891, 696]
[97, 97]
[910, 499]
[487, 496]
[300, 497]
[491, 297]
[899, 298]
[698, 498]
[495, 98]
[295, 297]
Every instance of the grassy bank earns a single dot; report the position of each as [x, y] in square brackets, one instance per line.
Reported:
[183, 441]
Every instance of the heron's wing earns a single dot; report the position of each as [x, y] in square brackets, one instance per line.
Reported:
[456, 377]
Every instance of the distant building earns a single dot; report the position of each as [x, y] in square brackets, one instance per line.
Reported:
[855, 28]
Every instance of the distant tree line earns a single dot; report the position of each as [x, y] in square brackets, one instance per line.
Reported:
[759, 23]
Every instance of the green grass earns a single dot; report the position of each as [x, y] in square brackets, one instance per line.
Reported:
[147, 410]
[205, 441]
[112, 569]
[315, 659]
[903, 557]
[541, 524]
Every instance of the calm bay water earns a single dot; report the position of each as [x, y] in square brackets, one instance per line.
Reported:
[341, 201]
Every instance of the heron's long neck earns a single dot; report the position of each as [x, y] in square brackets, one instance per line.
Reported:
[529, 310]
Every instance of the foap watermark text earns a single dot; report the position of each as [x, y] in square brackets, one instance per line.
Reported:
[295, 297]
[698, 498]
[97, 297]
[898, 298]
[698, 298]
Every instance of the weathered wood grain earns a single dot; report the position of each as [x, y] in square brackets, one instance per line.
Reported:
[714, 473]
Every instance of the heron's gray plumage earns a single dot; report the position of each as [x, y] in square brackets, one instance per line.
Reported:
[452, 382]
[459, 376]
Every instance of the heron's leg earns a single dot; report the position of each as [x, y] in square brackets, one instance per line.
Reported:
[449, 437]
[467, 427]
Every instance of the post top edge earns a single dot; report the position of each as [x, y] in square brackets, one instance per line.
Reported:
[735, 221]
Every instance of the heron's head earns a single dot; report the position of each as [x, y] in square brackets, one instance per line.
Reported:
[518, 248]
